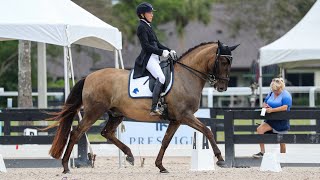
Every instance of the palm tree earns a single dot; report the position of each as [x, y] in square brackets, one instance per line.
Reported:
[24, 76]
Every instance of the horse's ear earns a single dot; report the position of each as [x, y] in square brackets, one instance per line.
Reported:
[233, 47]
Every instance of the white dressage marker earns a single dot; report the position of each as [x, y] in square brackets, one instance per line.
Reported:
[270, 162]
[30, 132]
[202, 154]
[2, 165]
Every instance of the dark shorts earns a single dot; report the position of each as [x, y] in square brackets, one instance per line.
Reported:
[279, 125]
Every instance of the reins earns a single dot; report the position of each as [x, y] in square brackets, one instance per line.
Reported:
[211, 78]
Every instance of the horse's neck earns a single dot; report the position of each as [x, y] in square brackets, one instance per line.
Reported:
[198, 60]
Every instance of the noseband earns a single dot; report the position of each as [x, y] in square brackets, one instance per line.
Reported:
[212, 78]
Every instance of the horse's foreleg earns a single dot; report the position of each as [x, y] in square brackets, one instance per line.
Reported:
[198, 125]
[172, 128]
[75, 135]
[109, 133]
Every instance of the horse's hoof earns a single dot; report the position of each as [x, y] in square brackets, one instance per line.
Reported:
[130, 160]
[164, 171]
[66, 171]
[222, 164]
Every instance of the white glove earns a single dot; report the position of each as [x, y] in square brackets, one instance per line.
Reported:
[173, 53]
[165, 53]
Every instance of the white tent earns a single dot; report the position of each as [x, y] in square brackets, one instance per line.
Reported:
[59, 22]
[298, 47]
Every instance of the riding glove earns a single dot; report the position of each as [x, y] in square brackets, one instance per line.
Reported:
[165, 53]
[173, 54]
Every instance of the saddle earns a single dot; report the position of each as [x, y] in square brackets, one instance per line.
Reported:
[142, 87]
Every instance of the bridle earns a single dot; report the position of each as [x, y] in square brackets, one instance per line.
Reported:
[212, 78]
[216, 65]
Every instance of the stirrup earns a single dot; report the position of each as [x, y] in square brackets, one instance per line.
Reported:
[156, 112]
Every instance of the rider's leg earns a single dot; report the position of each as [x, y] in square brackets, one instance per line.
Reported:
[157, 89]
[154, 68]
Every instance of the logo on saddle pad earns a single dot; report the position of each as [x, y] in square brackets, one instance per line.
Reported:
[136, 90]
[142, 87]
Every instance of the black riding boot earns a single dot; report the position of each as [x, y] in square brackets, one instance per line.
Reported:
[155, 111]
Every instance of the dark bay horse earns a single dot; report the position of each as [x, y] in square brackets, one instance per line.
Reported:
[106, 90]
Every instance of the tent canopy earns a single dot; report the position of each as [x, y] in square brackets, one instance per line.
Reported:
[299, 46]
[59, 22]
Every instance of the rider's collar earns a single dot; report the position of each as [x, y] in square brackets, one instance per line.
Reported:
[145, 22]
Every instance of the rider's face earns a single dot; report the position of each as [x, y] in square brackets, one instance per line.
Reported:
[149, 16]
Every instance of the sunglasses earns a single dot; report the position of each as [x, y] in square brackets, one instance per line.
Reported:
[277, 80]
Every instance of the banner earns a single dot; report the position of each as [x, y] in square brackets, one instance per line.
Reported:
[153, 133]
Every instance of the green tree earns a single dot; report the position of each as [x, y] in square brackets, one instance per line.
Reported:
[8, 65]
[179, 11]
[123, 14]
[270, 18]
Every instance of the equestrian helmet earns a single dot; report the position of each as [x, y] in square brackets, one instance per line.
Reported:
[143, 8]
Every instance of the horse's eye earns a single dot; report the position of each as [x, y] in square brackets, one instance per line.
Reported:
[225, 62]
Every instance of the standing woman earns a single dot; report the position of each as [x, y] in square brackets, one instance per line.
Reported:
[149, 58]
[277, 100]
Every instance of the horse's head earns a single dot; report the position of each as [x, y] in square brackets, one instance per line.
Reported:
[221, 66]
[210, 62]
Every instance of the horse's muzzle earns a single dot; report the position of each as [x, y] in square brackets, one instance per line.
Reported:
[221, 89]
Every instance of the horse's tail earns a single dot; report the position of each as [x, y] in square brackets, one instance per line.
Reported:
[64, 118]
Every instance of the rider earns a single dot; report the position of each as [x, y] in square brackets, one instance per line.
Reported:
[151, 51]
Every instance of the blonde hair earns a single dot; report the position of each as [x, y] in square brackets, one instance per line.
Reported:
[277, 84]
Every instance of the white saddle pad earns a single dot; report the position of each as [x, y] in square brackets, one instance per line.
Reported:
[139, 87]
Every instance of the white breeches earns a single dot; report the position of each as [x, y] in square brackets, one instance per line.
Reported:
[154, 68]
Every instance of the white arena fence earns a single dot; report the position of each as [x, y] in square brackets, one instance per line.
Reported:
[232, 94]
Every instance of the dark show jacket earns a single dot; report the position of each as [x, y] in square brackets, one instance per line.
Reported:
[150, 45]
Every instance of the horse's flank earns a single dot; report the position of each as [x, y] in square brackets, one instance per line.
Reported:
[112, 85]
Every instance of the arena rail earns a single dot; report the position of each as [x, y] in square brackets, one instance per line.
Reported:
[231, 138]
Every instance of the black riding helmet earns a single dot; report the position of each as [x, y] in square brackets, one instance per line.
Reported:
[143, 8]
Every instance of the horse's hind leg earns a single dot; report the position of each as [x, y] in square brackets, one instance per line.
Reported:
[198, 125]
[87, 121]
[172, 128]
[109, 133]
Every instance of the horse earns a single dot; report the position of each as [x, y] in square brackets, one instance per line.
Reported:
[106, 90]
